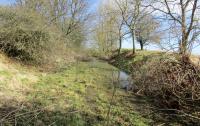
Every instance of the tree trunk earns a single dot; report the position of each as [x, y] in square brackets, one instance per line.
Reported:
[120, 46]
[133, 40]
[141, 45]
[183, 47]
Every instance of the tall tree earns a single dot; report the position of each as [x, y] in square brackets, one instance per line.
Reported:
[146, 31]
[106, 32]
[68, 15]
[130, 12]
[182, 15]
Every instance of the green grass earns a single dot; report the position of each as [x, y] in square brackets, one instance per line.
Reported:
[77, 95]
[127, 63]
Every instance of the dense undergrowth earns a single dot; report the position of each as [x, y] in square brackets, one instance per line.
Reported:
[173, 82]
[28, 36]
[78, 94]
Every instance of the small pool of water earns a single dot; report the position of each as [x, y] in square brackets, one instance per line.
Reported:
[125, 81]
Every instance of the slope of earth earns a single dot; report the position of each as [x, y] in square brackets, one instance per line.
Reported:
[78, 94]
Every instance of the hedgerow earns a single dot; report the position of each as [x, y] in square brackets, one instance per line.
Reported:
[29, 37]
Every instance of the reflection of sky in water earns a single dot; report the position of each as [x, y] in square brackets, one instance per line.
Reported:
[124, 79]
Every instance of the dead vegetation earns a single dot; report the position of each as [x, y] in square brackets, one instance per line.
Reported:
[173, 82]
[170, 81]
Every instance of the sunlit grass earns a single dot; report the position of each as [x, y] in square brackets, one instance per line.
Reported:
[76, 95]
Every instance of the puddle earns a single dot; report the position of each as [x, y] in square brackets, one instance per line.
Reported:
[125, 81]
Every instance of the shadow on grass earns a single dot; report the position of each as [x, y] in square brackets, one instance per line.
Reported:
[33, 114]
[161, 116]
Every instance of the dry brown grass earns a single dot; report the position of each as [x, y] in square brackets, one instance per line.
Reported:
[195, 59]
[13, 76]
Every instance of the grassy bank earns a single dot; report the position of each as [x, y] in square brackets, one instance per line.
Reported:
[77, 95]
[126, 60]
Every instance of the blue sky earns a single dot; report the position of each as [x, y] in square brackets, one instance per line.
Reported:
[6, 2]
[126, 43]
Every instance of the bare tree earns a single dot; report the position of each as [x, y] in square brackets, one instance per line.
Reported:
[69, 16]
[182, 14]
[130, 12]
[66, 14]
[120, 34]
[146, 31]
[106, 32]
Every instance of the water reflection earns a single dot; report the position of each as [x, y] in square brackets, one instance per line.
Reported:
[125, 81]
